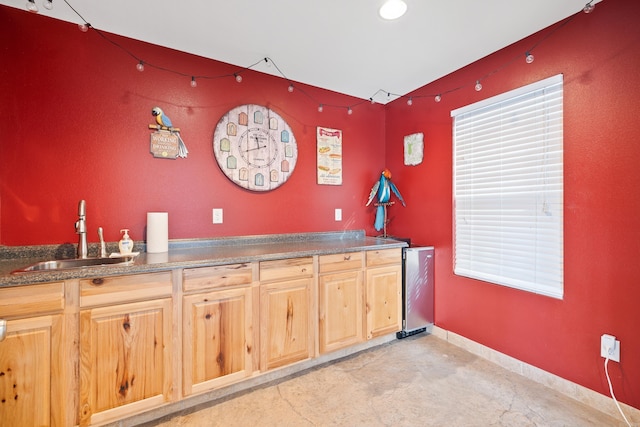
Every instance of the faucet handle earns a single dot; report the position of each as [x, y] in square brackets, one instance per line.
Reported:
[103, 248]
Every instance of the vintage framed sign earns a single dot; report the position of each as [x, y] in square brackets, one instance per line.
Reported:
[329, 156]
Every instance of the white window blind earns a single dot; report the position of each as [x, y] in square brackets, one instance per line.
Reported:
[508, 189]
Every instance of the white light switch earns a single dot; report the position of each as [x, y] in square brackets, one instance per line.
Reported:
[338, 214]
[217, 216]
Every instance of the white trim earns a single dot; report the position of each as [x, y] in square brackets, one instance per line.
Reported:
[570, 389]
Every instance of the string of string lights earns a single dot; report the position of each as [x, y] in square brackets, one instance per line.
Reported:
[237, 75]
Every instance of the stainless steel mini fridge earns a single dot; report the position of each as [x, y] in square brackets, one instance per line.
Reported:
[417, 290]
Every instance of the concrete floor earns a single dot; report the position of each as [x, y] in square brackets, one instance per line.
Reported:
[418, 381]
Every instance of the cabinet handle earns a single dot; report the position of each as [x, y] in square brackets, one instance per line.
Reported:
[3, 329]
[97, 281]
[347, 257]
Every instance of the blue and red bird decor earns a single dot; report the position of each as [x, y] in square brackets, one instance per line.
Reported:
[166, 142]
[383, 188]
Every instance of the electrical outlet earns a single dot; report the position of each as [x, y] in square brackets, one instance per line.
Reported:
[217, 216]
[610, 347]
[338, 215]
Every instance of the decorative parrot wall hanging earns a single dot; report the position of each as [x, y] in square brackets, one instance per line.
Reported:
[166, 142]
[383, 188]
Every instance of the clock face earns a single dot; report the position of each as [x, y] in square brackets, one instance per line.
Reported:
[255, 147]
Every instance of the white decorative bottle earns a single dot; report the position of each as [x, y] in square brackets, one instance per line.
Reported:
[125, 244]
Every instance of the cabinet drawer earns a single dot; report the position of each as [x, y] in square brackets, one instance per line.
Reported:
[340, 262]
[286, 268]
[116, 289]
[214, 277]
[384, 257]
[31, 299]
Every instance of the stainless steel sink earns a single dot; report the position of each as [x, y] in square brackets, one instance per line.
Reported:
[66, 264]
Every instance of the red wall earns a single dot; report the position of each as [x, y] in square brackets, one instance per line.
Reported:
[598, 55]
[75, 115]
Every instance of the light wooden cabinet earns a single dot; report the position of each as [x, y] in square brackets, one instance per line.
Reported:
[383, 292]
[95, 351]
[25, 372]
[125, 345]
[340, 301]
[31, 386]
[217, 327]
[286, 324]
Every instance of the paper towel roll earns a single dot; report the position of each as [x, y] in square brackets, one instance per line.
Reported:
[157, 232]
[157, 258]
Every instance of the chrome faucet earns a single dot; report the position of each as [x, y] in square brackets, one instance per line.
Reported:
[81, 229]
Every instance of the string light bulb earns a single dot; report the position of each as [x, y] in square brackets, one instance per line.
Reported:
[31, 6]
[85, 26]
[528, 58]
[588, 8]
[290, 88]
[372, 101]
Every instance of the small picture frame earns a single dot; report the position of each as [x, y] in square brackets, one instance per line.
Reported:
[413, 149]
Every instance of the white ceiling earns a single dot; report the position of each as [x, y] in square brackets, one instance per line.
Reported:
[340, 45]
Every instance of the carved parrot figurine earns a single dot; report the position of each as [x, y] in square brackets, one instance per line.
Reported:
[383, 187]
[161, 118]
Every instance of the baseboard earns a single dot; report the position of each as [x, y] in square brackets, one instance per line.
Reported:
[575, 391]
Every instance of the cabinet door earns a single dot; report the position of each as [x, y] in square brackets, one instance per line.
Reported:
[384, 300]
[340, 310]
[125, 359]
[217, 339]
[285, 331]
[25, 372]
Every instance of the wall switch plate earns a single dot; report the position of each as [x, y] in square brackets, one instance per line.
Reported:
[217, 216]
[338, 215]
[610, 347]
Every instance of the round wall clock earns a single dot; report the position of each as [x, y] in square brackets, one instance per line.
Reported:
[255, 147]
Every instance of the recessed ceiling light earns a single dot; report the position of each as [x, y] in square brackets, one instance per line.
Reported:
[393, 9]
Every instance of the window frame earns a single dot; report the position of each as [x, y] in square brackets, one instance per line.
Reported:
[498, 201]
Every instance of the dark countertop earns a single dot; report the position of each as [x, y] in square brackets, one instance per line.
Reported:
[188, 254]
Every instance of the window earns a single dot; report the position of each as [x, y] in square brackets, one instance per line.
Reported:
[508, 189]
